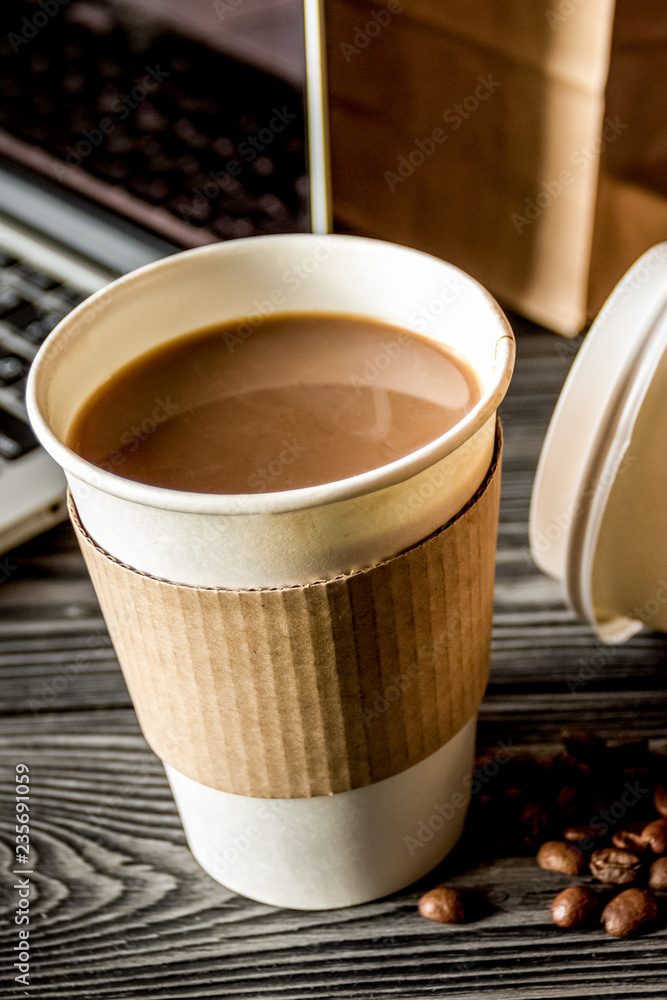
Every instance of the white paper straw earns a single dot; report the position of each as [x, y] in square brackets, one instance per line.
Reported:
[318, 117]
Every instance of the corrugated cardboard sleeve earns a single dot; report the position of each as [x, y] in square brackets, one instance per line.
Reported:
[314, 689]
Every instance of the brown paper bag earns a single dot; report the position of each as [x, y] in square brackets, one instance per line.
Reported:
[523, 142]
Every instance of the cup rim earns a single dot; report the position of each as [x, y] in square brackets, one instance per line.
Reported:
[286, 500]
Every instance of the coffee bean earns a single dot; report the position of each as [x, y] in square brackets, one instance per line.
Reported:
[611, 865]
[574, 906]
[660, 800]
[559, 856]
[582, 744]
[521, 772]
[580, 834]
[585, 748]
[535, 824]
[630, 912]
[630, 839]
[445, 906]
[514, 794]
[509, 806]
[565, 772]
[632, 756]
[570, 801]
[657, 878]
[654, 835]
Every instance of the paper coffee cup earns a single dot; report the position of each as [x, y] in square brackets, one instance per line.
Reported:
[320, 847]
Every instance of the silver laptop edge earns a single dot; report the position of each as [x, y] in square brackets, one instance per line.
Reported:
[85, 247]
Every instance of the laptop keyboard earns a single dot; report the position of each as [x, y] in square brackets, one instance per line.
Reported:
[32, 302]
[210, 142]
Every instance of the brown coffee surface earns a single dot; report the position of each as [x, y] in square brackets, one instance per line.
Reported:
[298, 401]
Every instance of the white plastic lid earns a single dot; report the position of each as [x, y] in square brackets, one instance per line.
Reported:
[598, 519]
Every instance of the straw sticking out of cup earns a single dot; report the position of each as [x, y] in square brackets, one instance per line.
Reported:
[318, 117]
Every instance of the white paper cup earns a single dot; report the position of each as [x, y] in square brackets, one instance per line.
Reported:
[349, 847]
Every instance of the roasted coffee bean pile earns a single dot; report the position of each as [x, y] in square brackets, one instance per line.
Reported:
[596, 813]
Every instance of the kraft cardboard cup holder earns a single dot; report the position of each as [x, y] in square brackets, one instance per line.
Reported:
[287, 693]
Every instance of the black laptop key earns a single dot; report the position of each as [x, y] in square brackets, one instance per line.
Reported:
[12, 368]
[152, 189]
[21, 318]
[69, 298]
[16, 437]
[6, 259]
[18, 389]
[10, 301]
[110, 169]
[34, 325]
[36, 331]
[35, 277]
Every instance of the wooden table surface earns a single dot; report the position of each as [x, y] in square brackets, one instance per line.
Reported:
[121, 909]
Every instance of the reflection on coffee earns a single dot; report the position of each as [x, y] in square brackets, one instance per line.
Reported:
[306, 399]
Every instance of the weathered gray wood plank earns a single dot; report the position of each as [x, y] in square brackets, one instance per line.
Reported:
[125, 912]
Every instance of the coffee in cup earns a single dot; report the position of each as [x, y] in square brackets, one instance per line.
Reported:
[295, 405]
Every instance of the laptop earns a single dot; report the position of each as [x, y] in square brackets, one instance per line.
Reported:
[129, 129]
